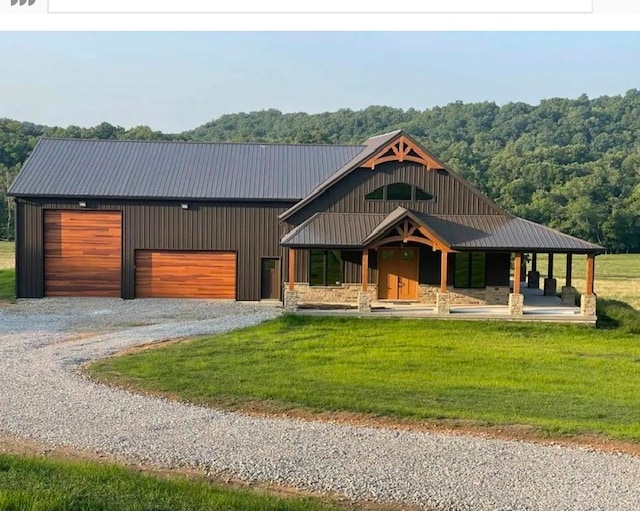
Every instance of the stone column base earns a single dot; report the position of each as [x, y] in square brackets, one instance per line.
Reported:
[588, 305]
[364, 301]
[291, 300]
[533, 279]
[568, 295]
[550, 287]
[443, 303]
[516, 304]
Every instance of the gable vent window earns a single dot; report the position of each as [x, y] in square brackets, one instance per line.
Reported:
[325, 268]
[399, 192]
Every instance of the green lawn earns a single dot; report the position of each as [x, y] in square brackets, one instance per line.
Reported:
[40, 484]
[559, 379]
[7, 273]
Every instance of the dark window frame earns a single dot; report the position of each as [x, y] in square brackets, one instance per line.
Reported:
[469, 278]
[325, 268]
[414, 194]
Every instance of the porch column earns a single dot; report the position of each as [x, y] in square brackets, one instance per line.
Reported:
[444, 270]
[290, 294]
[365, 269]
[516, 299]
[533, 278]
[550, 284]
[364, 297]
[568, 295]
[443, 298]
[517, 274]
[588, 301]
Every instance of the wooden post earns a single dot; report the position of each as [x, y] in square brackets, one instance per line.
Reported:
[550, 268]
[517, 274]
[534, 262]
[591, 263]
[365, 269]
[569, 271]
[292, 268]
[444, 259]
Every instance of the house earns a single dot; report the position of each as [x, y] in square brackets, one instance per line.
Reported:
[298, 223]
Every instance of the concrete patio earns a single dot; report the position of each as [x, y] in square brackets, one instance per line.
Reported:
[537, 307]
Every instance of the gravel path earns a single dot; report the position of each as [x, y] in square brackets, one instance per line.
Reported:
[42, 343]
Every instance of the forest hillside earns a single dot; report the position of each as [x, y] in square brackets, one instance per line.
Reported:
[571, 164]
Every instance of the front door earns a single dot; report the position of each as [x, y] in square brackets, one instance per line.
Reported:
[270, 287]
[398, 273]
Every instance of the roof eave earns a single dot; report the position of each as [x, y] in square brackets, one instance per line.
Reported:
[358, 160]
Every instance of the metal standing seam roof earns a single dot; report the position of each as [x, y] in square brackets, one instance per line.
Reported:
[459, 232]
[339, 230]
[503, 232]
[178, 170]
[371, 146]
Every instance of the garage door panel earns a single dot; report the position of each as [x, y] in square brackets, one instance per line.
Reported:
[83, 255]
[185, 274]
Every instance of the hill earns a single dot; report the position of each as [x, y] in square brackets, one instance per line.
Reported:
[572, 164]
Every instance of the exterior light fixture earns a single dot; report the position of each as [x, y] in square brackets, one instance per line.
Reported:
[82, 204]
[184, 205]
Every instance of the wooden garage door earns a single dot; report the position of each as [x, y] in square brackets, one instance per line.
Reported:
[82, 253]
[185, 274]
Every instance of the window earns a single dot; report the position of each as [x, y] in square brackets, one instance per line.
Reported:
[469, 270]
[422, 195]
[377, 194]
[399, 192]
[325, 268]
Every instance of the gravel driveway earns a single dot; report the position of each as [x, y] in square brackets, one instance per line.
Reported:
[42, 342]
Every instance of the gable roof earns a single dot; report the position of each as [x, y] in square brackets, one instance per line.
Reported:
[457, 232]
[178, 170]
[372, 147]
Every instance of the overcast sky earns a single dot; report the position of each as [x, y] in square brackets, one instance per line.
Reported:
[177, 81]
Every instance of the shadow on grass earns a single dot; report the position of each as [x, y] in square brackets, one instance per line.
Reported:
[617, 315]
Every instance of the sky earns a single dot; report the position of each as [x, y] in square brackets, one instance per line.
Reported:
[174, 81]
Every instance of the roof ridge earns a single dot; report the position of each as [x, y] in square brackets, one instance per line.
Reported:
[196, 142]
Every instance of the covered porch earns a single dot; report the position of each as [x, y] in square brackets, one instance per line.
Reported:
[424, 265]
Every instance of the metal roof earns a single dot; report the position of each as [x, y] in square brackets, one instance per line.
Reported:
[371, 146]
[492, 232]
[178, 170]
[338, 230]
[459, 232]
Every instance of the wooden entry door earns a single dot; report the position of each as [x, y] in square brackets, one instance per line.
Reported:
[270, 279]
[398, 273]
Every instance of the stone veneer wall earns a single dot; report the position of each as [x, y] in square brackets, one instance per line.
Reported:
[345, 293]
[348, 293]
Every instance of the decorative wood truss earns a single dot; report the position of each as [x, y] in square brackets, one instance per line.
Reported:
[402, 149]
[408, 231]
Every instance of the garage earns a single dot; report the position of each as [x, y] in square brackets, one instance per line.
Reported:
[185, 274]
[82, 253]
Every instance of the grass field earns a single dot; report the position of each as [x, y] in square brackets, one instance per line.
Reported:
[558, 379]
[40, 484]
[7, 273]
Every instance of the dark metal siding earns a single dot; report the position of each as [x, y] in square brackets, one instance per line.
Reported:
[251, 230]
[29, 254]
[452, 197]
